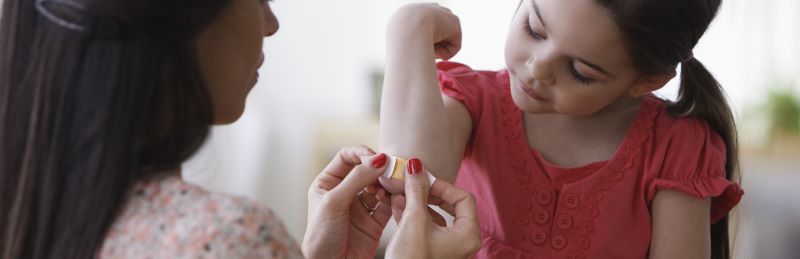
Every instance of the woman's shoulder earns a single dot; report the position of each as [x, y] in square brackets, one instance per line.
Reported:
[169, 217]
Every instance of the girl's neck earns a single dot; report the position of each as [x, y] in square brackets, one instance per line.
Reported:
[620, 111]
[572, 141]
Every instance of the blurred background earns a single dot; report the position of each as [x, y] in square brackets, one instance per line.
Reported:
[320, 86]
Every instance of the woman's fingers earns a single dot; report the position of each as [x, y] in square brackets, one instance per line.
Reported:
[437, 218]
[436, 201]
[383, 211]
[394, 186]
[398, 206]
[345, 160]
[459, 203]
[399, 203]
[355, 181]
[416, 188]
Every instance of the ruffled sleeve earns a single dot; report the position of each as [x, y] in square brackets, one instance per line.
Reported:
[691, 159]
[458, 82]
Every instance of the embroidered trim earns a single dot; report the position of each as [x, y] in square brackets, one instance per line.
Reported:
[600, 182]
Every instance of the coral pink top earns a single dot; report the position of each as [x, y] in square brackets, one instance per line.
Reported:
[529, 208]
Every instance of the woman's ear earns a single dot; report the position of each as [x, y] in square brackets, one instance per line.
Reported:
[647, 84]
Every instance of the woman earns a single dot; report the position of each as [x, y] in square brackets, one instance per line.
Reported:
[101, 102]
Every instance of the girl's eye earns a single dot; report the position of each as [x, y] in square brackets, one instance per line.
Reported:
[527, 27]
[577, 76]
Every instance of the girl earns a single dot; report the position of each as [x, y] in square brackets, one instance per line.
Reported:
[567, 151]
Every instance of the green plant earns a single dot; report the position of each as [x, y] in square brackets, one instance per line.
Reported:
[783, 109]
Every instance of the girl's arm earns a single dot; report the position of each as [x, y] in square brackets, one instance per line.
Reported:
[416, 121]
[680, 226]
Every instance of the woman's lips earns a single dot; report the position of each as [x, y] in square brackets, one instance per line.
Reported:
[529, 91]
[260, 63]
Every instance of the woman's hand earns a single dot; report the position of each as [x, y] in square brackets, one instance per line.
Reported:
[418, 236]
[437, 26]
[346, 213]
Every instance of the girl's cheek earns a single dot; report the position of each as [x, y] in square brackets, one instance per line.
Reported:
[519, 52]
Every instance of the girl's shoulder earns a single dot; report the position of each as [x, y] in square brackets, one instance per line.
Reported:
[168, 217]
[669, 127]
[462, 76]
[474, 88]
[688, 155]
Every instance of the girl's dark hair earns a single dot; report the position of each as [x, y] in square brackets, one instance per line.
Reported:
[86, 113]
[660, 35]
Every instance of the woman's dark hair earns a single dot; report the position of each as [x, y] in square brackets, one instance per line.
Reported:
[87, 110]
[660, 35]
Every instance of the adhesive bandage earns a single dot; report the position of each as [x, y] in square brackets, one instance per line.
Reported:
[396, 168]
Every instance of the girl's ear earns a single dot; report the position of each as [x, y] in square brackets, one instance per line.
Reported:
[649, 84]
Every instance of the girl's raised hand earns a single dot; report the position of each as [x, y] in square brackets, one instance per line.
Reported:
[426, 22]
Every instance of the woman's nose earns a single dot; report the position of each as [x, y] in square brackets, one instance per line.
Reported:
[272, 24]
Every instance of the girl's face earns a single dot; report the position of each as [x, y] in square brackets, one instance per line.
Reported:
[568, 57]
[230, 52]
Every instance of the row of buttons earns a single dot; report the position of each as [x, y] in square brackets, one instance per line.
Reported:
[563, 221]
[570, 200]
[540, 237]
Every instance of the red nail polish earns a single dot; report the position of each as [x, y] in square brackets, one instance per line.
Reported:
[414, 166]
[379, 161]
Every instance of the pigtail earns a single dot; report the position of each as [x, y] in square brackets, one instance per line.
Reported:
[701, 96]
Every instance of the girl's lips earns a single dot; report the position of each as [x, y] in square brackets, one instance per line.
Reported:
[529, 91]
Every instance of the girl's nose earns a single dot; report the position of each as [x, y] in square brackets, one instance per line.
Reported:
[540, 70]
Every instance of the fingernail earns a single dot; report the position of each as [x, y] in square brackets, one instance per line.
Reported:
[414, 166]
[378, 161]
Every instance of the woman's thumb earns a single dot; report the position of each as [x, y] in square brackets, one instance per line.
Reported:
[416, 186]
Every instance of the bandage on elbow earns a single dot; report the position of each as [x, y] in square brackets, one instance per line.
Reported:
[396, 168]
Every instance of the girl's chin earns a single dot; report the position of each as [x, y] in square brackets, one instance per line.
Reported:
[530, 106]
